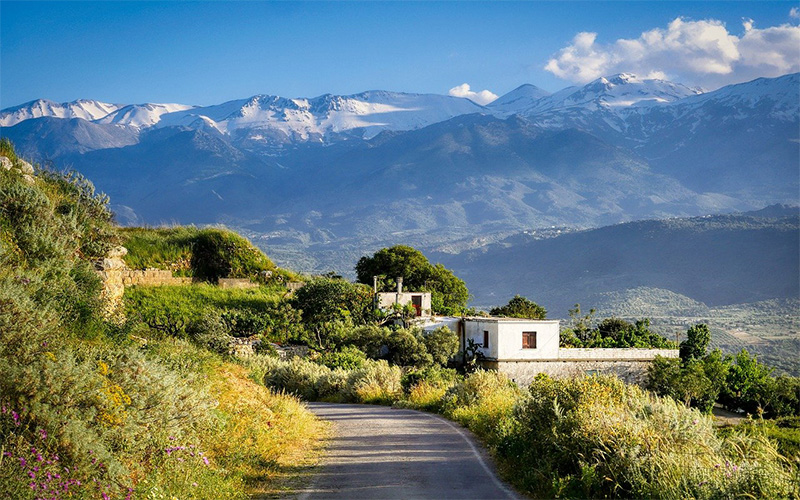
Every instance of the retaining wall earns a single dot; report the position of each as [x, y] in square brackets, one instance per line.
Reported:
[629, 365]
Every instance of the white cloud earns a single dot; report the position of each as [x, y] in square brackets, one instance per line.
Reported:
[795, 13]
[483, 97]
[693, 52]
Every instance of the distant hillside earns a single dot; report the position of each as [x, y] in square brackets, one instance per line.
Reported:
[715, 260]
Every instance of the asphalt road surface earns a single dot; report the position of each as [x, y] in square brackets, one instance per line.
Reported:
[379, 452]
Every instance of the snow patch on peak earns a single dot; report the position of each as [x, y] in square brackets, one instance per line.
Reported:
[85, 109]
[142, 115]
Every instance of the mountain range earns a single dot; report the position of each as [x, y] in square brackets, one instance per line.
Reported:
[320, 181]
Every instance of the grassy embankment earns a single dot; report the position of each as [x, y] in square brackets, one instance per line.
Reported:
[592, 437]
[91, 409]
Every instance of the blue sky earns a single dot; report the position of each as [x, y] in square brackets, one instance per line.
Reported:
[210, 52]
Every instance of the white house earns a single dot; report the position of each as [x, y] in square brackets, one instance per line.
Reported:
[524, 348]
[420, 300]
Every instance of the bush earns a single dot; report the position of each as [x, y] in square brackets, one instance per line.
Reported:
[597, 437]
[442, 345]
[219, 254]
[211, 333]
[346, 358]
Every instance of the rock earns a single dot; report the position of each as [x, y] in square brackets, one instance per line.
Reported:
[117, 252]
[5, 162]
[25, 167]
[28, 178]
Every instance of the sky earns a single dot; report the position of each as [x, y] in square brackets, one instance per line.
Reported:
[209, 52]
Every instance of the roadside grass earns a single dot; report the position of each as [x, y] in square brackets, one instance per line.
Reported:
[589, 437]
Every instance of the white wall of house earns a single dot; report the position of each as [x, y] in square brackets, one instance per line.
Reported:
[387, 299]
[505, 336]
[474, 329]
[511, 345]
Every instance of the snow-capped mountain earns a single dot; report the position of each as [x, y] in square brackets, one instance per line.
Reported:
[85, 109]
[141, 115]
[518, 100]
[267, 120]
[324, 169]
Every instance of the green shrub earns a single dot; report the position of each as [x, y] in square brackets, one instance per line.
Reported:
[211, 333]
[442, 345]
[346, 358]
[598, 437]
[219, 254]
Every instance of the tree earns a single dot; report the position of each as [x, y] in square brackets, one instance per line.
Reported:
[697, 339]
[329, 306]
[580, 324]
[613, 328]
[520, 307]
[442, 344]
[747, 384]
[449, 294]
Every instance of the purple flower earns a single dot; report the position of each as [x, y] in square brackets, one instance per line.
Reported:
[105, 496]
[205, 460]
[22, 462]
[43, 433]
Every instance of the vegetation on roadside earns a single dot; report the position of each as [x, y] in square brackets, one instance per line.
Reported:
[90, 409]
[739, 383]
[588, 437]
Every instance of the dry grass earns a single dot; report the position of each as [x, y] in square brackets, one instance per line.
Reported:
[268, 438]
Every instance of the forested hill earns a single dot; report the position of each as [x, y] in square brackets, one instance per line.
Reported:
[717, 260]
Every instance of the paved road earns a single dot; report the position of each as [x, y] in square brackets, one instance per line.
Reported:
[379, 452]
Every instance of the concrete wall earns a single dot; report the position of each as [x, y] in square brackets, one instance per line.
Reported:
[629, 365]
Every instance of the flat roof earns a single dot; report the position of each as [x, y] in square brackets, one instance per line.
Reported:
[493, 319]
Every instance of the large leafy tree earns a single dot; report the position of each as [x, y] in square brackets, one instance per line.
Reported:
[449, 294]
[520, 307]
[697, 339]
[329, 306]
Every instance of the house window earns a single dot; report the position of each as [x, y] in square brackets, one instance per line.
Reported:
[485, 339]
[529, 340]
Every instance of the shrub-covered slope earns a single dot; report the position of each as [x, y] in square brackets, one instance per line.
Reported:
[90, 409]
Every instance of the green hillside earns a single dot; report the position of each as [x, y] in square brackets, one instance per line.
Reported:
[92, 409]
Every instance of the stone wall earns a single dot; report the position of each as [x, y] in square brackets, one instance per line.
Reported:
[152, 277]
[116, 275]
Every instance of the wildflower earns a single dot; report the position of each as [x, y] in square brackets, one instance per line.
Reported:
[172, 438]
[205, 460]
[22, 462]
[194, 484]
[694, 422]
[105, 496]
